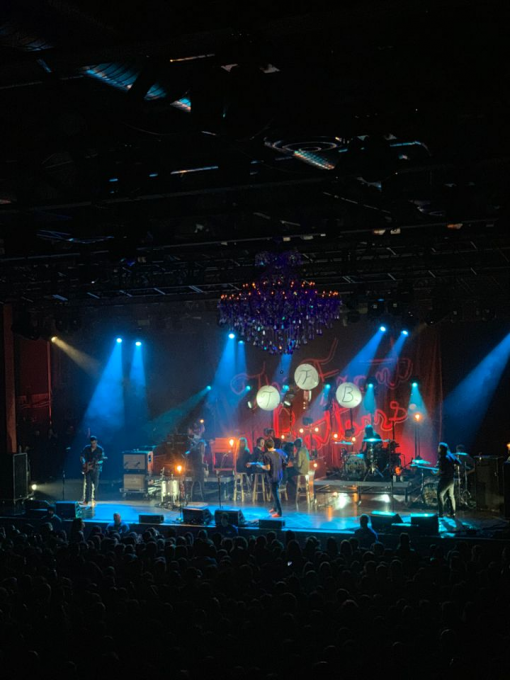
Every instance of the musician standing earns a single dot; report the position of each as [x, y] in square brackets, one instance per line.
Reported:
[92, 460]
[446, 464]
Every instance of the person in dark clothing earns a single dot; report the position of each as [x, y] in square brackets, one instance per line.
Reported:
[447, 462]
[91, 459]
[269, 434]
[118, 526]
[273, 463]
[365, 534]
[52, 518]
[226, 529]
[243, 456]
[197, 467]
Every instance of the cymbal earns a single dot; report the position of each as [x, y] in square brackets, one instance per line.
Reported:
[420, 462]
[373, 439]
[346, 443]
[461, 453]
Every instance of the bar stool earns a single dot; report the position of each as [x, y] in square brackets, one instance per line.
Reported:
[304, 488]
[241, 482]
[259, 489]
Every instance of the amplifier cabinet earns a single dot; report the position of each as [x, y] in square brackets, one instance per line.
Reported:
[489, 482]
[138, 461]
[13, 476]
[134, 483]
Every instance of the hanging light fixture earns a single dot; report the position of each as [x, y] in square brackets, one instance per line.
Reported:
[279, 312]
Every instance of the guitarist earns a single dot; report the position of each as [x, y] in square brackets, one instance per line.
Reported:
[91, 459]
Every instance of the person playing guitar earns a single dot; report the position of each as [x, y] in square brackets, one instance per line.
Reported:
[91, 458]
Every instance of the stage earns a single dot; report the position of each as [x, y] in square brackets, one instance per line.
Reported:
[334, 513]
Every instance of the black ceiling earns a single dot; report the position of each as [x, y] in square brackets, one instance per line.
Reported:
[150, 149]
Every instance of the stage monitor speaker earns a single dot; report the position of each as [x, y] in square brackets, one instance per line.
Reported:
[506, 487]
[33, 504]
[197, 516]
[382, 521]
[272, 524]
[36, 513]
[427, 523]
[489, 482]
[235, 517]
[68, 509]
[13, 476]
[151, 519]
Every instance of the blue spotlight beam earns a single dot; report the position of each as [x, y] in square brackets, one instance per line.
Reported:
[166, 422]
[469, 401]
[137, 410]
[362, 361]
[105, 412]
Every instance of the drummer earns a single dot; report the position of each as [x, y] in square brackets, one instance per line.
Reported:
[370, 439]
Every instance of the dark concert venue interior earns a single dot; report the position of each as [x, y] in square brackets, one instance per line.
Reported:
[254, 339]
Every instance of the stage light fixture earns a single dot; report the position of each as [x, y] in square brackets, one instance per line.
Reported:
[301, 430]
[285, 388]
[405, 332]
[240, 342]
[178, 469]
[383, 329]
[231, 442]
[209, 388]
[316, 429]
[119, 340]
[335, 436]
[371, 382]
[201, 421]
[250, 404]
[327, 386]
[231, 335]
[415, 381]
[282, 436]
[34, 487]
[138, 343]
[248, 388]
[417, 417]
[54, 338]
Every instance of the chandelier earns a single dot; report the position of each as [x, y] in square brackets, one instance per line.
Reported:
[279, 312]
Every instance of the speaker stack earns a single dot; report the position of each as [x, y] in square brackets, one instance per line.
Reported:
[137, 466]
[13, 477]
[489, 482]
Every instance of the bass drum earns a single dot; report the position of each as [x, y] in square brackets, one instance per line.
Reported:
[355, 467]
[430, 494]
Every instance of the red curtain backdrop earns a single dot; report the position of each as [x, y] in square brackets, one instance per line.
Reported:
[392, 416]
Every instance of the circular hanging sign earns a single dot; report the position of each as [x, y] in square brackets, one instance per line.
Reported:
[348, 395]
[268, 398]
[306, 377]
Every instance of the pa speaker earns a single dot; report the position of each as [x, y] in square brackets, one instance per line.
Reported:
[235, 517]
[33, 504]
[13, 476]
[489, 482]
[427, 523]
[196, 516]
[382, 521]
[272, 524]
[151, 519]
[68, 509]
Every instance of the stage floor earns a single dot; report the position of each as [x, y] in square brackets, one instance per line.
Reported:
[334, 513]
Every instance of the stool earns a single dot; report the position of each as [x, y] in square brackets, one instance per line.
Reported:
[303, 483]
[259, 489]
[241, 481]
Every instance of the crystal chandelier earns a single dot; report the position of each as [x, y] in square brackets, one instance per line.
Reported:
[279, 312]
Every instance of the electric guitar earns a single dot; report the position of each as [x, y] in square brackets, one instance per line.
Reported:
[90, 465]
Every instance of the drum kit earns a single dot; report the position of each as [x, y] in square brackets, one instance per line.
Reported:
[425, 492]
[376, 460]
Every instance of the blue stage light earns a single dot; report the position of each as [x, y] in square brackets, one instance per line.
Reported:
[327, 387]
[241, 342]
[231, 335]
[138, 343]
[382, 329]
[405, 332]
[119, 340]
[414, 384]
[209, 387]
[285, 388]
[248, 388]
